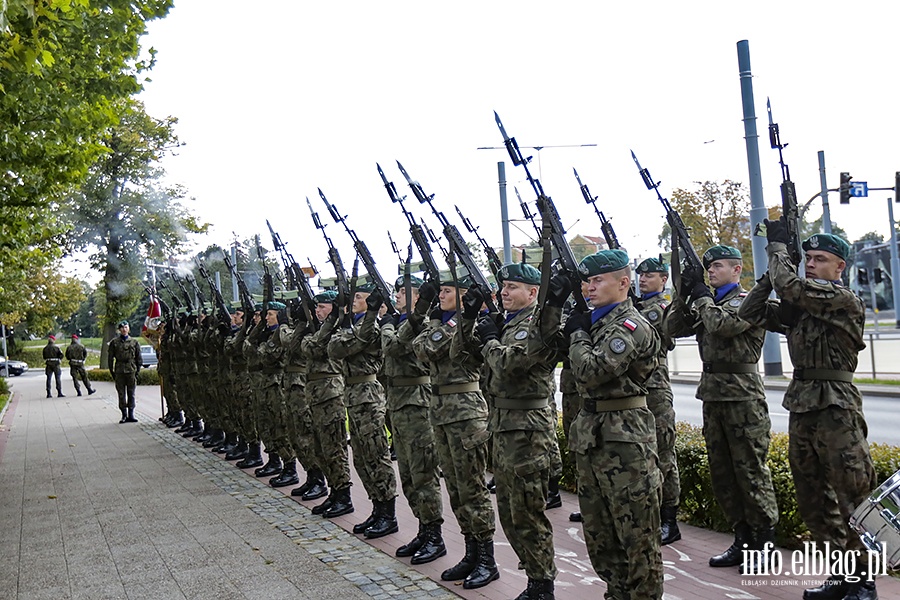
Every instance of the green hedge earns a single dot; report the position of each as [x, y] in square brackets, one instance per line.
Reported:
[35, 357]
[145, 377]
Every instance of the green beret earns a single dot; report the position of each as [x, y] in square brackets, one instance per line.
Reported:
[464, 280]
[326, 297]
[257, 307]
[828, 242]
[605, 261]
[653, 265]
[275, 305]
[121, 324]
[719, 252]
[366, 287]
[519, 272]
[413, 281]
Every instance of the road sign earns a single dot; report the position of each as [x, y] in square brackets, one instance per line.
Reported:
[859, 189]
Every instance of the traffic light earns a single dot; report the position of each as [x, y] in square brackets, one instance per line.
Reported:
[879, 275]
[862, 276]
[845, 188]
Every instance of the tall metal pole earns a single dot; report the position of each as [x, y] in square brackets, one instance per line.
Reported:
[5, 356]
[826, 212]
[758, 212]
[895, 266]
[504, 212]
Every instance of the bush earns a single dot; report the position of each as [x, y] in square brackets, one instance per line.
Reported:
[145, 377]
[4, 386]
[33, 356]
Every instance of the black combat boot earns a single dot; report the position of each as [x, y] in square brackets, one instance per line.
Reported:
[124, 415]
[302, 489]
[130, 418]
[411, 547]
[239, 451]
[485, 570]
[538, 589]
[759, 562]
[321, 508]
[230, 443]
[273, 467]
[575, 516]
[462, 569]
[432, 546]
[386, 522]
[554, 500]
[184, 427]
[342, 504]
[78, 391]
[734, 555]
[288, 475]
[834, 588]
[91, 391]
[861, 590]
[207, 432]
[668, 525]
[317, 489]
[176, 420]
[370, 520]
[253, 458]
[215, 439]
[196, 429]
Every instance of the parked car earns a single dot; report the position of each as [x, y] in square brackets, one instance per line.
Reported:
[16, 367]
[148, 355]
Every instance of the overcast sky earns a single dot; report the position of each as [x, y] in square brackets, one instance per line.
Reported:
[278, 98]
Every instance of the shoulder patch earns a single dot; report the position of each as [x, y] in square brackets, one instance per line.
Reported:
[521, 334]
[630, 325]
[451, 322]
[734, 302]
[617, 345]
[437, 335]
[652, 315]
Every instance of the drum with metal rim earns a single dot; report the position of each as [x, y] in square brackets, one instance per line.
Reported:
[877, 520]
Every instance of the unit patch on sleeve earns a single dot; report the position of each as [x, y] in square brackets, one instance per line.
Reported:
[617, 345]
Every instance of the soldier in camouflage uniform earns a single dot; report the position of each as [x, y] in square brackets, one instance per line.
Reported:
[269, 394]
[124, 363]
[829, 455]
[613, 351]
[408, 392]
[459, 416]
[571, 401]
[652, 277]
[359, 349]
[325, 393]
[52, 365]
[246, 343]
[523, 424]
[736, 423]
[76, 354]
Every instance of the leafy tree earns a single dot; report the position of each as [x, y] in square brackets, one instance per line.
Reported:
[125, 213]
[872, 236]
[52, 300]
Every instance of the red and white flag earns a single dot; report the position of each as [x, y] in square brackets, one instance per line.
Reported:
[150, 329]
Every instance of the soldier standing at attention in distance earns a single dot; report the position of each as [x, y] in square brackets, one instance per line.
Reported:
[613, 351]
[828, 451]
[523, 424]
[125, 363]
[52, 365]
[76, 355]
[652, 277]
[736, 423]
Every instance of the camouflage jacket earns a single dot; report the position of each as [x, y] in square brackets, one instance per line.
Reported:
[724, 339]
[295, 363]
[271, 357]
[237, 360]
[52, 354]
[613, 361]
[824, 324]
[251, 347]
[518, 377]
[400, 362]
[76, 352]
[359, 350]
[324, 378]
[124, 355]
[432, 347]
[654, 309]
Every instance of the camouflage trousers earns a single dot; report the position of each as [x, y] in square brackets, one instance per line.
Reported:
[268, 411]
[570, 407]
[125, 384]
[328, 421]
[556, 466]
[462, 454]
[54, 371]
[169, 392]
[299, 419]
[417, 462]
[522, 462]
[737, 438]
[659, 401]
[79, 375]
[618, 492]
[832, 470]
[283, 427]
[371, 452]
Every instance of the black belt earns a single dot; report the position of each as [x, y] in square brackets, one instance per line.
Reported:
[408, 381]
[823, 375]
[724, 367]
[596, 406]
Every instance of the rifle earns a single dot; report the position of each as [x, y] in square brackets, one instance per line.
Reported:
[494, 262]
[458, 245]
[175, 303]
[189, 302]
[297, 279]
[362, 251]
[246, 296]
[788, 194]
[688, 257]
[527, 212]
[419, 235]
[394, 247]
[224, 315]
[197, 291]
[550, 217]
[340, 275]
[268, 281]
[609, 234]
